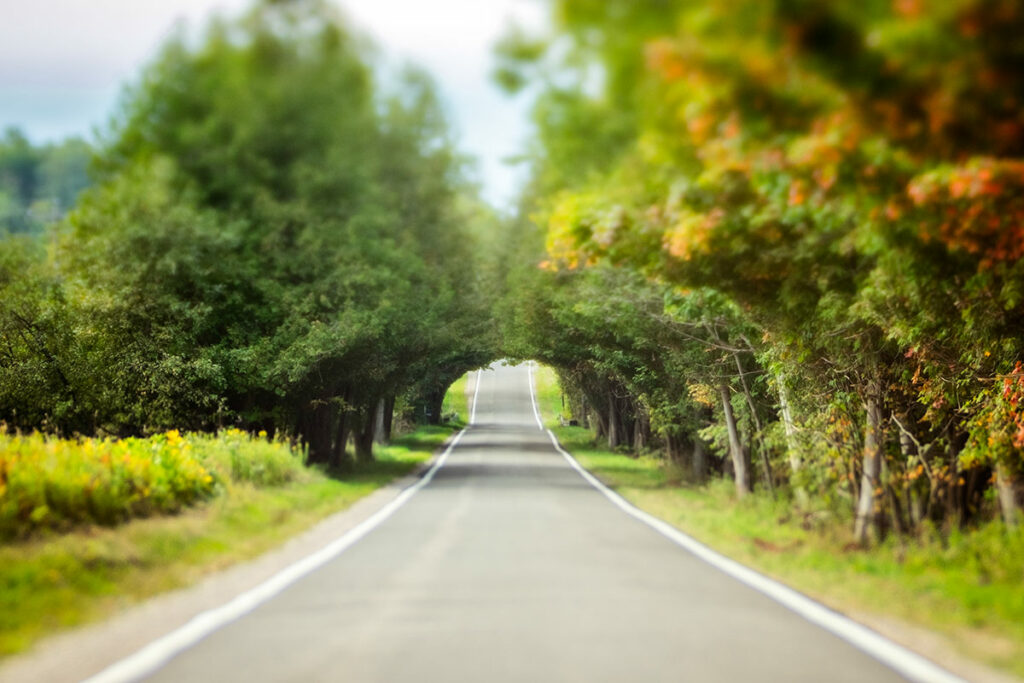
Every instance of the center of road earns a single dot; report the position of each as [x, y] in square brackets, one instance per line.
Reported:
[502, 564]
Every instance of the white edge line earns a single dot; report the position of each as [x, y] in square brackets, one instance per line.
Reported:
[908, 663]
[533, 401]
[903, 661]
[160, 651]
[476, 393]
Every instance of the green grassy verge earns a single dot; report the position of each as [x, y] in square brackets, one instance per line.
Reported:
[969, 588]
[457, 398]
[53, 582]
[548, 394]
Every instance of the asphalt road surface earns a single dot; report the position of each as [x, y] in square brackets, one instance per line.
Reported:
[509, 566]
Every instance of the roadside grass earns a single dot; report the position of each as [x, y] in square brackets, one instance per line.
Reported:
[51, 582]
[966, 587]
[548, 393]
[456, 400]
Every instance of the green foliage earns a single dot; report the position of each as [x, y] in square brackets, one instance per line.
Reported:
[825, 209]
[42, 373]
[39, 184]
[274, 242]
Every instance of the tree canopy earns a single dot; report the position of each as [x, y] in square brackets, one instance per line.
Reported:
[827, 192]
[275, 241]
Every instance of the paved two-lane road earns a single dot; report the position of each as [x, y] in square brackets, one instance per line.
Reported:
[509, 566]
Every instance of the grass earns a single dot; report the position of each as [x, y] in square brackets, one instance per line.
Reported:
[548, 393]
[968, 588]
[51, 582]
[456, 400]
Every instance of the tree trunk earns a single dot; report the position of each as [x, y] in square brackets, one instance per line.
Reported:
[872, 468]
[339, 459]
[916, 503]
[899, 523]
[318, 432]
[1009, 490]
[756, 439]
[740, 463]
[435, 404]
[378, 422]
[792, 450]
[699, 461]
[954, 503]
[674, 450]
[364, 437]
[614, 434]
[389, 418]
[899, 520]
[627, 433]
[640, 434]
[601, 424]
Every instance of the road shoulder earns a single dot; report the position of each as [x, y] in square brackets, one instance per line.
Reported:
[79, 653]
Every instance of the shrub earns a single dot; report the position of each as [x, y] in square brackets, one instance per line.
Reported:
[240, 457]
[53, 484]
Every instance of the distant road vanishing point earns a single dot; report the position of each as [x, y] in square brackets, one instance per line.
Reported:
[509, 566]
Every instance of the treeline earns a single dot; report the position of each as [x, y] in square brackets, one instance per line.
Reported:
[39, 183]
[783, 244]
[274, 242]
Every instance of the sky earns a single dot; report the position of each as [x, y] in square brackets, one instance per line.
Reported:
[63, 63]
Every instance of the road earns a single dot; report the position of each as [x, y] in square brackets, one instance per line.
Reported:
[509, 566]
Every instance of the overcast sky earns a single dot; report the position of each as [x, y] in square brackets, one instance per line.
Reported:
[63, 62]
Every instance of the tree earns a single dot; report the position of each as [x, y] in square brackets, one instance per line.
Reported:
[274, 241]
[807, 162]
[39, 184]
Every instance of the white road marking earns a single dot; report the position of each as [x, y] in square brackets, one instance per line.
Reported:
[903, 661]
[160, 651]
[476, 393]
[533, 401]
